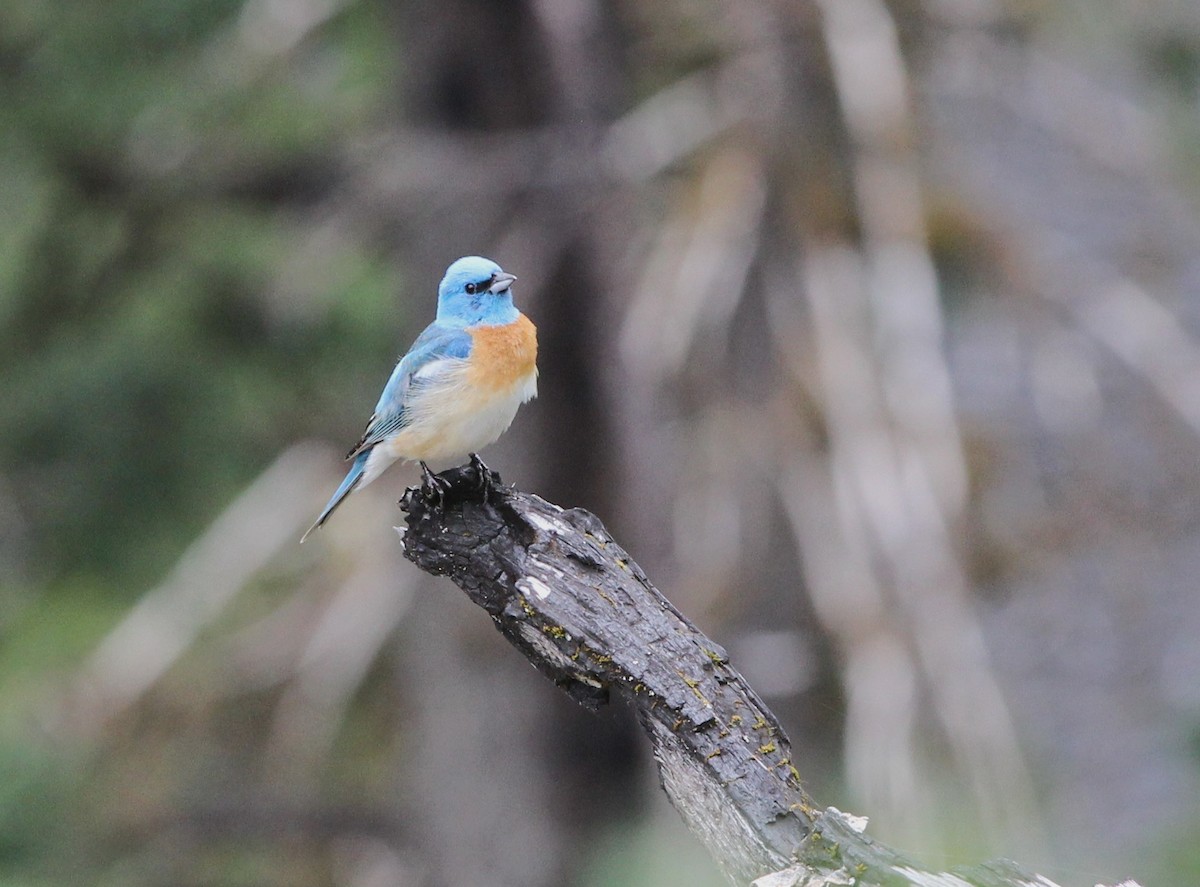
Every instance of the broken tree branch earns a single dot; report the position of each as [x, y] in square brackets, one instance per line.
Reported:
[563, 592]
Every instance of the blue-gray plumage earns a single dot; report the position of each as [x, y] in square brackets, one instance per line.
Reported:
[458, 387]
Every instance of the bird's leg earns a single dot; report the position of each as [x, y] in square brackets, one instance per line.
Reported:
[433, 486]
[483, 476]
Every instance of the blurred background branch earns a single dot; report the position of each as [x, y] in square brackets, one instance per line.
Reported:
[874, 323]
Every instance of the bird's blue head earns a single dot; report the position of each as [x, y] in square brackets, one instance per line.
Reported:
[475, 290]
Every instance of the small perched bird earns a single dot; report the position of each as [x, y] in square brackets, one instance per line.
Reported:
[460, 384]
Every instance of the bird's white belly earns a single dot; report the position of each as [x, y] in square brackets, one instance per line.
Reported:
[450, 421]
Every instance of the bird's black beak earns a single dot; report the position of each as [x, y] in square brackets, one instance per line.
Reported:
[502, 281]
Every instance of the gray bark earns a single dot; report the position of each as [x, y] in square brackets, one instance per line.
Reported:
[563, 592]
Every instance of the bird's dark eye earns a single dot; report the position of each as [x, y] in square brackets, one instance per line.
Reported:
[470, 288]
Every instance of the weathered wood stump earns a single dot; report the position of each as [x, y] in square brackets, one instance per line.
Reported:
[576, 605]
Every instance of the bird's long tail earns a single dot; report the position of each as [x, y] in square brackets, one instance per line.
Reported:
[353, 477]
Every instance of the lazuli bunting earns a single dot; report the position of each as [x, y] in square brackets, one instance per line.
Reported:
[458, 387]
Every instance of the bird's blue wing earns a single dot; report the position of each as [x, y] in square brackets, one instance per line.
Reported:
[436, 343]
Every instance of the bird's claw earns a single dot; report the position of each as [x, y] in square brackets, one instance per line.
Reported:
[483, 477]
[433, 487]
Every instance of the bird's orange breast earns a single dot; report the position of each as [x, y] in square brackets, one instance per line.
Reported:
[503, 356]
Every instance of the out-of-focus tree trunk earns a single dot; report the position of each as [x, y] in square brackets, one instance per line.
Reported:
[547, 75]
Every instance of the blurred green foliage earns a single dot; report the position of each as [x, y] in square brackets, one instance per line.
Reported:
[172, 315]
[155, 166]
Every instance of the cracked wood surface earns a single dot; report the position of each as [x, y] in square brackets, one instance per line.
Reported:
[574, 602]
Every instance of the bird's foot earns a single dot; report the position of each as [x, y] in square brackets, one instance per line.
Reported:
[485, 478]
[433, 487]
